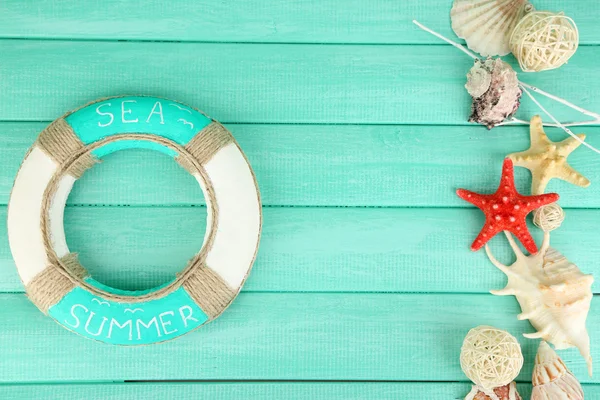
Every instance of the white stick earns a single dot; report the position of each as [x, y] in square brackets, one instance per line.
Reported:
[517, 121]
[558, 123]
[560, 100]
[525, 86]
[437, 35]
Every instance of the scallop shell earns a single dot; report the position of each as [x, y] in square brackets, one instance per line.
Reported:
[552, 379]
[554, 295]
[486, 25]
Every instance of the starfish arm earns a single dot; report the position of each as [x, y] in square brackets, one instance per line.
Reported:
[476, 199]
[534, 202]
[567, 146]
[571, 175]
[520, 158]
[507, 181]
[487, 232]
[536, 132]
[539, 181]
[522, 234]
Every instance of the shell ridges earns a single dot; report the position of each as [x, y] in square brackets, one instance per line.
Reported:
[554, 295]
[552, 379]
[486, 25]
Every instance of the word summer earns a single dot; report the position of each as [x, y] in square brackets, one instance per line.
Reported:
[135, 329]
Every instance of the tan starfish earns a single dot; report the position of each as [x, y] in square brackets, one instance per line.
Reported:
[547, 159]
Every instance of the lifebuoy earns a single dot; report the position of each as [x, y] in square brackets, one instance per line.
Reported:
[56, 282]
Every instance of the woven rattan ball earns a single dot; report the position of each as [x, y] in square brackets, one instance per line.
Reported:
[549, 217]
[544, 40]
[490, 357]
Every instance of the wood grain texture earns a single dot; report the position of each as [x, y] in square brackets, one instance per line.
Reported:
[356, 124]
[268, 83]
[308, 250]
[281, 336]
[255, 390]
[325, 165]
[325, 21]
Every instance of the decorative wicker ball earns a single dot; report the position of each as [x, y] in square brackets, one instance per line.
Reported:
[549, 217]
[490, 357]
[544, 40]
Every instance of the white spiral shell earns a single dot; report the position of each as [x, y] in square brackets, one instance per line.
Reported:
[486, 25]
[552, 379]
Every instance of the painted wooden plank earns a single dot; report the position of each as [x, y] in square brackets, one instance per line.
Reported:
[267, 83]
[255, 390]
[281, 336]
[308, 250]
[325, 165]
[328, 21]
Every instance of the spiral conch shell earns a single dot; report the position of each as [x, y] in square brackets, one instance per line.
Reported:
[554, 295]
[552, 379]
[486, 25]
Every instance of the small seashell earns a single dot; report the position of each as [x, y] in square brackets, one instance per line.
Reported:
[486, 25]
[494, 87]
[506, 392]
[479, 78]
[554, 295]
[552, 379]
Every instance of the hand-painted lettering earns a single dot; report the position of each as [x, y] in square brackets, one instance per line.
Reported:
[114, 322]
[159, 112]
[127, 111]
[167, 322]
[100, 328]
[184, 317]
[77, 322]
[112, 117]
[147, 326]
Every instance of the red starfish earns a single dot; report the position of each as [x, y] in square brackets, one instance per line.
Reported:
[506, 209]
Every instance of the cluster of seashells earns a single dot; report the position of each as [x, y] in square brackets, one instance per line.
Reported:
[555, 296]
[540, 40]
[553, 293]
[499, 353]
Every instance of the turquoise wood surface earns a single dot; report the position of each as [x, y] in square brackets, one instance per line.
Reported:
[268, 83]
[284, 336]
[355, 124]
[286, 21]
[306, 249]
[226, 391]
[325, 165]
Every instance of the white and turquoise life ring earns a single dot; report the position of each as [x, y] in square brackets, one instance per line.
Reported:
[55, 281]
